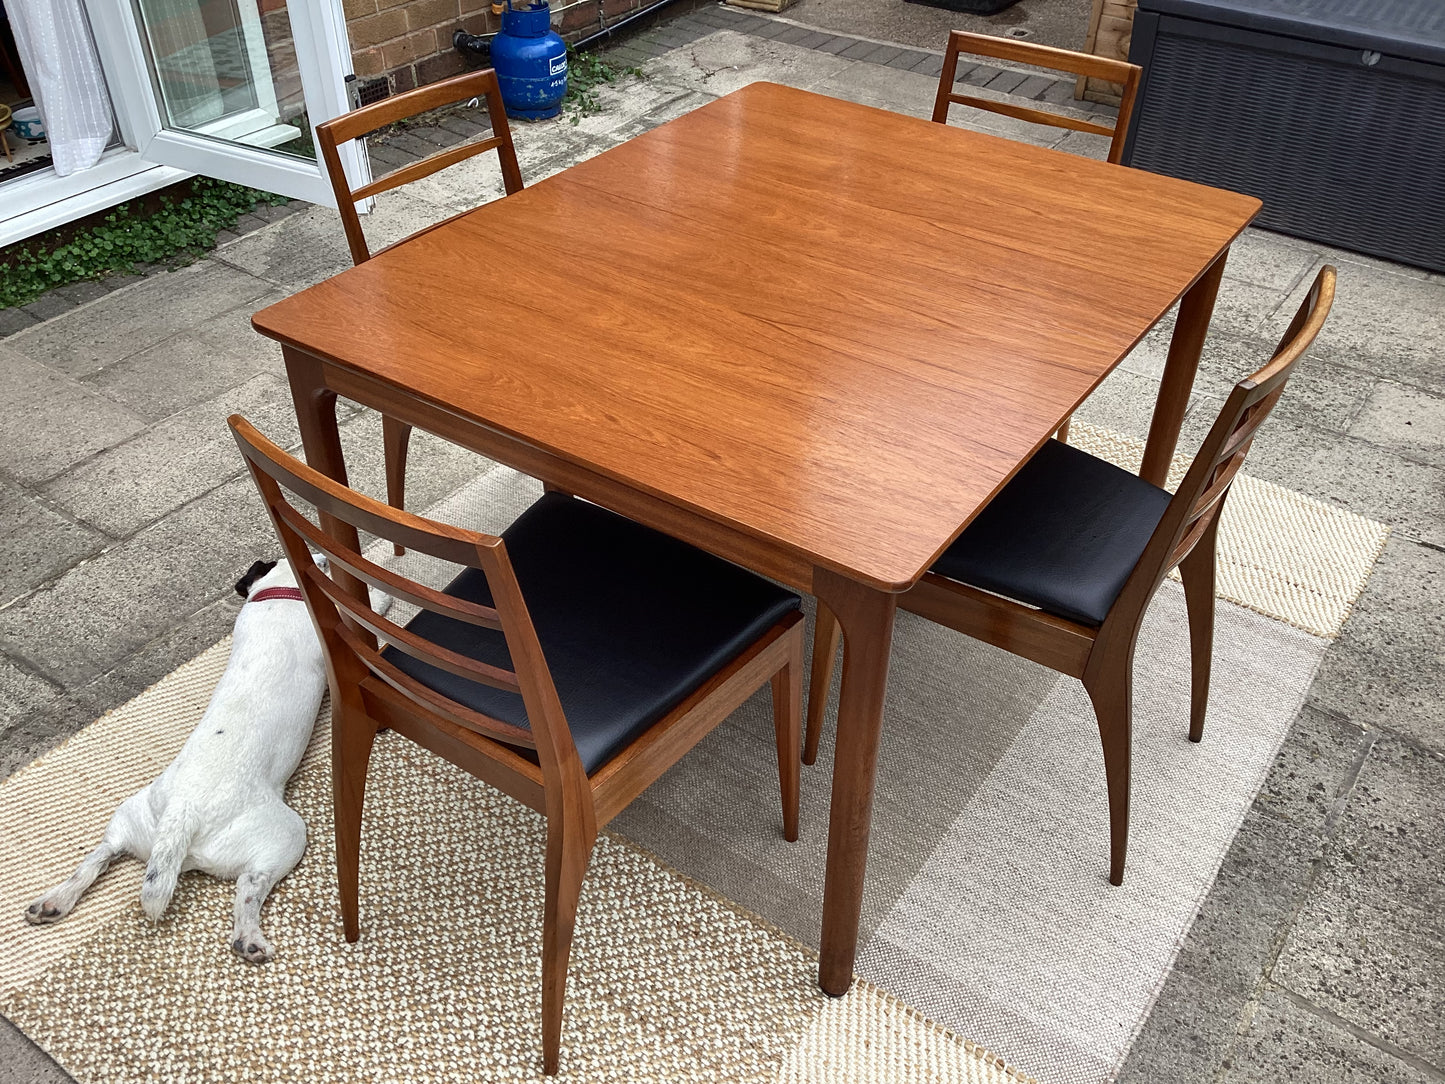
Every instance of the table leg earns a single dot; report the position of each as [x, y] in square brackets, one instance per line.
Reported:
[1185, 347]
[866, 616]
[321, 440]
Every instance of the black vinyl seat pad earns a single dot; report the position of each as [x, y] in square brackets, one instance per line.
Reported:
[1063, 535]
[630, 621]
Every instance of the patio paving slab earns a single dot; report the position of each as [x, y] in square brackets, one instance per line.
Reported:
[1288, 1042]
[1321, 393]
[215, 355]
[1188, 1035]
[13, 320]
[106, 608]
[894, 89]
[1409, 420]
[52, 422]
[151, 662]
[128, 321]
[48, 306]
[1390, 321]
[120, 490]
[80, 292]
[1315, 768]
[1267, 871]
[22, 694]
[309, 248]
[1352, 473]
[1124, 402]
[36, 541]
[1061, 23]
[1272, 260]
[1369, 944]
[33, 732]
[1387, 668]
[726, 61]
[26, 1063]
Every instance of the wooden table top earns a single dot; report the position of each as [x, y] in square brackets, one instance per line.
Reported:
[834, 328]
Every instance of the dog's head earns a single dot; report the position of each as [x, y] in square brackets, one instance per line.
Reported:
[271, 574]
[254, 573]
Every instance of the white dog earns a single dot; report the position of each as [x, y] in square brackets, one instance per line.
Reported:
[218, 806]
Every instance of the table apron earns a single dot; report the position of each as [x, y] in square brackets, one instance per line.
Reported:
[775, 561]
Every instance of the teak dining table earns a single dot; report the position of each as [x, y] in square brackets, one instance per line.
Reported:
[810, 336]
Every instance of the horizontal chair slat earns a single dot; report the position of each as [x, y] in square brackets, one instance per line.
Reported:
[498, 763]
[1064, 60]
[405, 106]
[383, 579]
[1216, 489]
[1036, 116]
[1248, 425]
[435, 702]
[415, 171]
[410, 643]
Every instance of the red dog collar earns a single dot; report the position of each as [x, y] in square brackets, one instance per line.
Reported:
[292, 593]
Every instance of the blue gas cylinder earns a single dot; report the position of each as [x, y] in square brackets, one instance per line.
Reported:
[531, 62]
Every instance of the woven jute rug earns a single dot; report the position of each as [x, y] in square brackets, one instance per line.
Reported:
[987, 916]
[669, 981]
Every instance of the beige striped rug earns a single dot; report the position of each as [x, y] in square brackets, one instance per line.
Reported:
[986, 908]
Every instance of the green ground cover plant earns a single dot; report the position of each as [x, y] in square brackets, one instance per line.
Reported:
[585, 73]
[180, 227]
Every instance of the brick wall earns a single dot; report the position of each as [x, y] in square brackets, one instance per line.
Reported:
[410, 41]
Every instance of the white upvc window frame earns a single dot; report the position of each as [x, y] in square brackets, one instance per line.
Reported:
[152, 155]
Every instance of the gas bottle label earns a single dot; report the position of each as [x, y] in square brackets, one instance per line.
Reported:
[559, 65]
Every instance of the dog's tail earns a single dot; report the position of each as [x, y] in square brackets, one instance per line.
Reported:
[168, 854]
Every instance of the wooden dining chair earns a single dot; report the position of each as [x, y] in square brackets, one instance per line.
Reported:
[1061, 565]
[574, 659]
[396, 435]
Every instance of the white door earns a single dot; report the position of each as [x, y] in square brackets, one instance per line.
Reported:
[229, 88]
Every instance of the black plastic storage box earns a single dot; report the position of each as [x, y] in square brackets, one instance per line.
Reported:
[1330, 111]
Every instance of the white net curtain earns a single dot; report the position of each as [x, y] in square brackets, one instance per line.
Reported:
[58, 55]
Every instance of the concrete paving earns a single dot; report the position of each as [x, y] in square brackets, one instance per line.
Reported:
[1318, 955]
[1062, 23]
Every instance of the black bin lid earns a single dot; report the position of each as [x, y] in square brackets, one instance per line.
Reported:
[1414, 29]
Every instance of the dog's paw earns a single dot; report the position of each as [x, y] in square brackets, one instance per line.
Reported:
[44, 911]
[253, 949]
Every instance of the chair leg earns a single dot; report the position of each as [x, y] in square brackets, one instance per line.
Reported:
[352, 736]
[1112, 692]
[395, 439]
[788, 727]
[826, 634]
[569, 850]
[1197, 572]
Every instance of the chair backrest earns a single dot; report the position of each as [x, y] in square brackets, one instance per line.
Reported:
[348, 625]
[1199, 499]
[359, 122]
[1039, 56]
